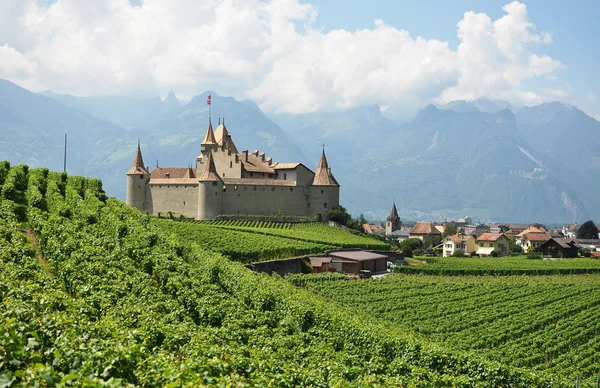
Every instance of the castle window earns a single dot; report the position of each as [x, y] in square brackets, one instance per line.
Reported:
[272, 189]
[224, 188]
[325, 205]
[284, 177]
[263, 174]
[230, 164]
[223, 175]
[183, 203]
[322, 191]
[309, 204]
[291, 189]
[251, 175]
[141, 177]
[176, 186]
[215, 183]
[254, 187]
[160, 186]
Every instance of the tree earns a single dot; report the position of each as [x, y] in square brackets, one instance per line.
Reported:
[340, 215]
[411, 243]
[450, 229]
[431, 241]
[588, 230]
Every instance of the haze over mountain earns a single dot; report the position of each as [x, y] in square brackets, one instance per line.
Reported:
[463, 158]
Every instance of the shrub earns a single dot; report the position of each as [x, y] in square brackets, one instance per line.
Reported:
[494, 253]
[534, 255]
[458, 253]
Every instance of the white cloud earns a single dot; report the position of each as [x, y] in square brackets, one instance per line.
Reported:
[272, 52]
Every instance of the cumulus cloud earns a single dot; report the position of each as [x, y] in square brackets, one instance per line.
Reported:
[270, 51]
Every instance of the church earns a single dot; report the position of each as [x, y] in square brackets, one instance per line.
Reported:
[227, 182]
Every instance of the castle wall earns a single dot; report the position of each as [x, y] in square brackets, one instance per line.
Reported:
[265, 200]
[178, 199]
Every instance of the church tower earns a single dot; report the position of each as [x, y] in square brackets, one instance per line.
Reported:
[137, 182]
[393, 222]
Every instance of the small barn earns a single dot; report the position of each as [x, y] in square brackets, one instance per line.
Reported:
[558, 248]
[354, 261]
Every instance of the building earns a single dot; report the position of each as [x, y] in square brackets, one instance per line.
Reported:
[393, 222]
[353, 262]
[489, 242]
[373, 229]
[400, 235]
[226, 181]
[457, 242]
[532, 240]
[558, 248]
[424, 229]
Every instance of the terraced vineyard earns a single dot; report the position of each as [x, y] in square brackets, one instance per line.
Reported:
[548, 323]
[94, 294]
[311, 232]
[502, 266]
[240, 245]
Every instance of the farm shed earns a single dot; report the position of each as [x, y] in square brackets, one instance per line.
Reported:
[355, 261]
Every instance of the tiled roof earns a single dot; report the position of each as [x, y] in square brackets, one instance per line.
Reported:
[357, 255]
[531, 229]
[317, 262]
[489, 237]
[424, 228]
[175, 181]
[459, 239]
[537, 236]
[172, 173]
[259, 182]
[209, 138]
[285, 166]
[210, 172]
[138, 163]
[373, 229]
[323, 176]
[255, 163]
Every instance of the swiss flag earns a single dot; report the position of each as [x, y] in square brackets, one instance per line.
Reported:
[208, 100]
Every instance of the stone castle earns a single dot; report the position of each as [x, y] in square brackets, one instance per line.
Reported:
[226, 182]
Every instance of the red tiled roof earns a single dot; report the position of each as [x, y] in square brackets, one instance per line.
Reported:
[424, 228]
[172, 173]
[490, 237]
[537, 236]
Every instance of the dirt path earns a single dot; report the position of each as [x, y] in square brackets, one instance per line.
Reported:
[38, 252]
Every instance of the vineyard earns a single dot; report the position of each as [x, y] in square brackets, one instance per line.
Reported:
[93, 293]
[311, 232]
[547, 323]
[500, 266]
[244, 246]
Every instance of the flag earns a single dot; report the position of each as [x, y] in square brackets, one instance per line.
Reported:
[208, 100]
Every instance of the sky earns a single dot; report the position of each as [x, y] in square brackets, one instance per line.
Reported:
[292, 56]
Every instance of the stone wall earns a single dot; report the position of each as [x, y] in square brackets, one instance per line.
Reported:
[281, 267]
[265, 200]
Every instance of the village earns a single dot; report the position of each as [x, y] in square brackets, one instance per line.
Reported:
[463, 237]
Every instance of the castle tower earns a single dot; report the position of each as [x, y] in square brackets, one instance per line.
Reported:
[208, 143]
[393, 222]
[137, 182]
[325, 189]
[210, 191]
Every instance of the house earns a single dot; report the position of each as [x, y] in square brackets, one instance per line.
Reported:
[515, 229]
[424, 229]
[529, 229]
[532, 240]
[558, 248]
[489, 242]
[458, 242]
[355, 261]
[373, 229]
[399, 235]
[570, 230]
[320, 264]
[464, 221]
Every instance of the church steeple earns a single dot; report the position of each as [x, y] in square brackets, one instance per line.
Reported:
[209, 138]
[210, 171]
[392, 222]
[323, 176]
[138, 163]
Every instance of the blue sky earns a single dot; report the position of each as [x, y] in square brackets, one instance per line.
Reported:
[326, 54]
[573, 25]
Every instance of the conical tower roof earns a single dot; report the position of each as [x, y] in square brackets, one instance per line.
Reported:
[210, 171]
[323, 176]
[393, 216]
[209, 138]
[138, 163]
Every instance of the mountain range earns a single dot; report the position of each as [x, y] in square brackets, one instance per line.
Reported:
[486, 159]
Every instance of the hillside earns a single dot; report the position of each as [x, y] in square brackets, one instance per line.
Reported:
[94, 293]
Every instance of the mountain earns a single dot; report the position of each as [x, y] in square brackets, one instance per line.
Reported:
[127, 112]
[33, 127]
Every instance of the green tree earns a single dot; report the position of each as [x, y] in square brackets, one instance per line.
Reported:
[340, 215]
[588, 230]
[431, 241]
[450, 229]
[411, 243]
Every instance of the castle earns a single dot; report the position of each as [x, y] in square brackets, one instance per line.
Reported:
[226, 182]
